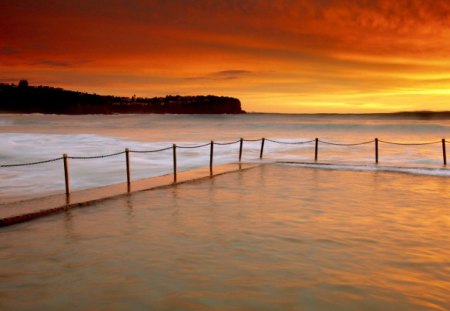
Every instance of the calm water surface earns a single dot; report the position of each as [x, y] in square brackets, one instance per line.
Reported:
[272, 238]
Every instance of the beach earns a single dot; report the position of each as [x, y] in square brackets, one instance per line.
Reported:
[275, 237]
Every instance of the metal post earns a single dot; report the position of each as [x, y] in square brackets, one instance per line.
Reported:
[316, 149]
[127, 157]
[174, 163]
[240, 149]
[376, 150]
[66, 173]
[444, 153]
[262, 148]
[211, 159]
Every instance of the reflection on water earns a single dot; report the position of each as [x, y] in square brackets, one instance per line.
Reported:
[275, 237]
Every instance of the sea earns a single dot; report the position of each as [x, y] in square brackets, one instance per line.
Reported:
[339, 233]
[30, 138]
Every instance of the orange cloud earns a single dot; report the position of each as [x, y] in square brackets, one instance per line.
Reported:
[293, 56]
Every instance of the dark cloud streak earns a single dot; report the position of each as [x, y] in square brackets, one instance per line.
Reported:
[223, 75]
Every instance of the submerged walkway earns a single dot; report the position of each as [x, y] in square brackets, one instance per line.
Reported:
[21, 211]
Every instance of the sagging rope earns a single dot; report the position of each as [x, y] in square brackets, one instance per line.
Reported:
[290, 143]
[347, 144]
[259, 139]
[409, 144]
[32, 163]
[96, 157]
[192, 147]
[229, 143]
[149, 151]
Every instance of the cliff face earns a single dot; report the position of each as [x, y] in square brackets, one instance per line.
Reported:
[44, 99]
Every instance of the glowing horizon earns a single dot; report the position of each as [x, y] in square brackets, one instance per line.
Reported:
[275, 56]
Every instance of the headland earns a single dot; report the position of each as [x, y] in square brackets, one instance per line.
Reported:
[23, 98]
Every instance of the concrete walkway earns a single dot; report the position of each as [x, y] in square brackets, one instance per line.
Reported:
[17, 212]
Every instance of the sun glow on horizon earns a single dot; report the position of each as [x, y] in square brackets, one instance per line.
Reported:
[280, 56]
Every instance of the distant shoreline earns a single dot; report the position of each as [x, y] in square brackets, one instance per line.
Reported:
[414, 115]
[23, 98]
[410, 115]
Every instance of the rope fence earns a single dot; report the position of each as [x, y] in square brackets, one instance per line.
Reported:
[193, 147]
[346, 144]
[150, 151]
[259, 139]
[229, 143]
[410, 144]
[241, 141]
[96, 157]
[31, 163]
[290, 142]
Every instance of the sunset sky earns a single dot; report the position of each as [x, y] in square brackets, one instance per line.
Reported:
[275, 56]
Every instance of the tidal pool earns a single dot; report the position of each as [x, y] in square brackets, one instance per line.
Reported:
[276, 237]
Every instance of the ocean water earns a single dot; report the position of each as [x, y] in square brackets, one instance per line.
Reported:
[275, 237]
[31, 138]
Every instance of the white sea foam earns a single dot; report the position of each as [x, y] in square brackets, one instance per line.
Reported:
[375, 168]
[31, 138]
[20, 148]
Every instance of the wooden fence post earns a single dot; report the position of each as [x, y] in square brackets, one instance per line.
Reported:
[444, 153]
[66, 173]
[240, 149]
[316, 149]
[174, 163]
[262, 148]
[211, 159]
[376, 150]
[127, 158]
